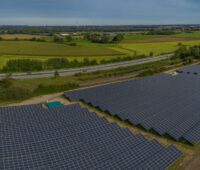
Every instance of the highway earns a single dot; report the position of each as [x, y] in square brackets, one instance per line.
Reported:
[71, 72]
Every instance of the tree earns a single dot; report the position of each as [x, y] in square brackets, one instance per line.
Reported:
[58, 39]
[180, 44]
[118, 38]
[56, 74]
[57, 63]
[106, 39]
[68, 38]
[86, 62]
[195, 51]
[98, 38]
[182, 52]
[20, 65]
[151, 54]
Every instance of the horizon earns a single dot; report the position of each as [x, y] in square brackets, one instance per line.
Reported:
[142, 25]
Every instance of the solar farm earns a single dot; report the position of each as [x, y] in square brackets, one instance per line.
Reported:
[74, 136]
[162, 104]
[71, 137]
[194, 69]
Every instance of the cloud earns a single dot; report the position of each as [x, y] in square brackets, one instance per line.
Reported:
[73, 12]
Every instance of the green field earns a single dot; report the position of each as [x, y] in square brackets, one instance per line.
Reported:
[132, 45]
[156, 47]
[26, 48]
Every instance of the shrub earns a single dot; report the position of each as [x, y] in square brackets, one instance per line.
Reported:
[151, 54]
[150, 72]
[23, 65]
[43, 89]
[14, 93]
[57, 63]
[56, 73]
[5, 83]
[72, 44]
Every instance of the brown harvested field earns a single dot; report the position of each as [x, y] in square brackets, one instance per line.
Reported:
[20, 36]
[162, 39]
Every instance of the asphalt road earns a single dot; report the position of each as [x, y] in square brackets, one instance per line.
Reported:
[70, 72]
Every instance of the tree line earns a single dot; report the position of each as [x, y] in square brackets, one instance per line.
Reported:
[188, 52]
[50, 30]
[103, 38]
[25, 39]
[26, 65]
[30, 65]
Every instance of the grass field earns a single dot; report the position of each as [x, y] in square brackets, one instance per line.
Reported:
[25, 48]
[156, 47]
[195, 35]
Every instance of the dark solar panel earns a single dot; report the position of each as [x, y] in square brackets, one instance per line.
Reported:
[71, 137]
[192, 70]
[167, 104]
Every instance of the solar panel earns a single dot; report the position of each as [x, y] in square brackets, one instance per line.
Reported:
[192, 70]
[168, 105]
[70, 137]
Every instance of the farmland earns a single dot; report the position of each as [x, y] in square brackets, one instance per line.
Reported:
[21, 36]
[156, 47]
[51, 49]
[18, 90]
[181, 36]
[134, 45]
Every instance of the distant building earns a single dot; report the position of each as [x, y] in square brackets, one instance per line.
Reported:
[65, 34]
[69, 34]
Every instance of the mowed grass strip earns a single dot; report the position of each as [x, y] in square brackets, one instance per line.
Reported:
[51, 49]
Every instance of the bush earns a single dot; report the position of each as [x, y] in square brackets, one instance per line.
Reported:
[72, 44]
[5, 83]
[14, 93]
[152, 71]
[56, 73]
[57, 63]
[42, 89]
[58, 39]
[21, 65]
[118, 38]
[151, 54]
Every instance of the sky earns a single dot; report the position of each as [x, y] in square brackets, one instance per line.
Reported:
[99, 12]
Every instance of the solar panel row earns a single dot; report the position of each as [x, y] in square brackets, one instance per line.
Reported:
[167, 105]
[71, 137]
[194, 69]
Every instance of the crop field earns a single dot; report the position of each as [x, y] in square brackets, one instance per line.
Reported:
[20, 36]
[132, 45]
[195, 35]
[156, 47]
[24, 48]
[130, 38]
